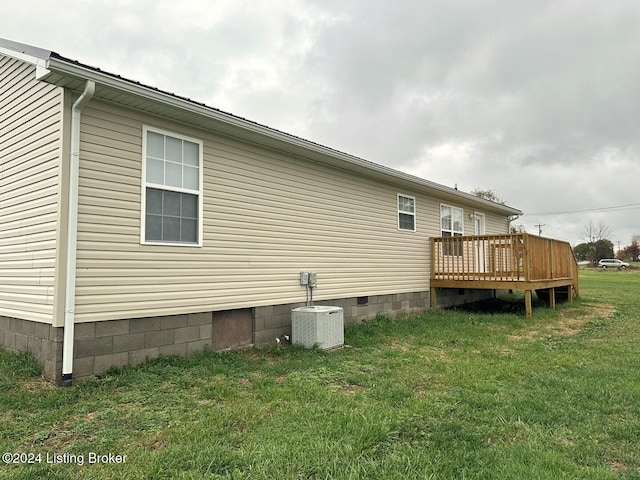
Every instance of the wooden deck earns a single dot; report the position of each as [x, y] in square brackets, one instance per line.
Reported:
[518, 261]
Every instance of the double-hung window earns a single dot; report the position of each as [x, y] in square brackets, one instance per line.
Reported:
[451, 221]
[406, 213]
[172, 189]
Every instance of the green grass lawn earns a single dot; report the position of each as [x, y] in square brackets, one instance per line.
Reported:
[447, 394]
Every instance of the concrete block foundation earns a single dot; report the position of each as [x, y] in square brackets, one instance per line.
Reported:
[101, 345]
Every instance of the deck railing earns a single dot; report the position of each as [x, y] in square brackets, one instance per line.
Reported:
[517, 257]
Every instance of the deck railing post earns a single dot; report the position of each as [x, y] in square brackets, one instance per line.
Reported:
[432, 255]
[525, 257]
[551, 264]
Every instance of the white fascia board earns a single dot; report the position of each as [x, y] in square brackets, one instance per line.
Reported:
[78, 71]
[40, 63]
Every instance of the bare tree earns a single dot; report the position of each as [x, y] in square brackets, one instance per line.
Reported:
[490, 195]
[594, 233]
[518, 228]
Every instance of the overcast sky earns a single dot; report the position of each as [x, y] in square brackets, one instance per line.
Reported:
[537, 100]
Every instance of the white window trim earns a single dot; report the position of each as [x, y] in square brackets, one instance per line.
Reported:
[452, 249]
[145, 184]
[483, 225]
[414, 214]
[461, 232]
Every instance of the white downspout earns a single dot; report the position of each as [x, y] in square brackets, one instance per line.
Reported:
[72, 235]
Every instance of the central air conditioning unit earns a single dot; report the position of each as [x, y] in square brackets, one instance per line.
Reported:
[319, 324]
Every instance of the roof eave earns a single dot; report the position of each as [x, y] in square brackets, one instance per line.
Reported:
[60, 71]
[26, 53]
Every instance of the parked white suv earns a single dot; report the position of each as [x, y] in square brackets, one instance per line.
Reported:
[612, 263]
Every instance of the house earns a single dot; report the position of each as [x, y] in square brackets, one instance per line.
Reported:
[136, 223]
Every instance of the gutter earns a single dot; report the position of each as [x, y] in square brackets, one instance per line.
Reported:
[236, 126]
[72, 232]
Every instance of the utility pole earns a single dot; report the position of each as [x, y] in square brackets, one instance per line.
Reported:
[539, 225]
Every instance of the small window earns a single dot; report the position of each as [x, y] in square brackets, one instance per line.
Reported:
[406, 213]
[172, 189]
[451, 221]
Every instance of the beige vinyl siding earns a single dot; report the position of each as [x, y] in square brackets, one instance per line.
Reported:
[30, 139]
[266, 218]
[496, 224]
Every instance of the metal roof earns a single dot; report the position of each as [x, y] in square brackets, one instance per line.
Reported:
[25, 49]
[71, 74]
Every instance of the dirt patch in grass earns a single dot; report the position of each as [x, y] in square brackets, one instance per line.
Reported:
[270, 355]
[506, 351]
[569, 323]
[431, 353]
[351, 389]
[91, 416]
[37, 385]
[156, 441]
[60, 439]
[402, 346]
[616, 466]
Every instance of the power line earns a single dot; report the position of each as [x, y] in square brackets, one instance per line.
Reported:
[617, 207]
